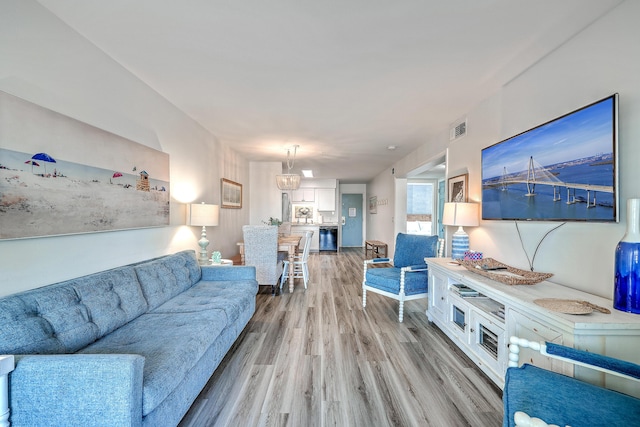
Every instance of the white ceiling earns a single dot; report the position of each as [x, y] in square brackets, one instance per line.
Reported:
[343, 79]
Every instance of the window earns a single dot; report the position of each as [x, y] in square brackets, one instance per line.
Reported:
[420, 207]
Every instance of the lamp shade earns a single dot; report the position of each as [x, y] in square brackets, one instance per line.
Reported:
[288, 181]
[201, 214]
[460, 214]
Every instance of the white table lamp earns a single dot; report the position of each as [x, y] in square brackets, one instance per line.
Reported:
[460, 215]
[205, 216]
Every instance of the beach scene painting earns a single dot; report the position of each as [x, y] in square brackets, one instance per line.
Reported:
[62, 176]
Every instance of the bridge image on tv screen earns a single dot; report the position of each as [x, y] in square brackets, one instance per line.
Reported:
[563, 170]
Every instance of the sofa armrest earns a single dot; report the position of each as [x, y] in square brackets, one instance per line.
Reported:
[232, 272]
[77, 389]
[582, 358]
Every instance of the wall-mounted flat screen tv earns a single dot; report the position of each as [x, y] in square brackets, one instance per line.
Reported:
[563, 170]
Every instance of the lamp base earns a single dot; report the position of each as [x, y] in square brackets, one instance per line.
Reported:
[203, 259]
[459, 244]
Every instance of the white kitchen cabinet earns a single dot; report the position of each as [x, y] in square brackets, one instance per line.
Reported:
[479, 315]
[303, 195]
[326, 199]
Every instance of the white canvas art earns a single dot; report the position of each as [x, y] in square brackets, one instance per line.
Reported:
[62, 176]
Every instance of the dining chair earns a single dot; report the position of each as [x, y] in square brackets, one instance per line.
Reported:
[284, 229]
[300, 263]
[406, 279]
[261, 251]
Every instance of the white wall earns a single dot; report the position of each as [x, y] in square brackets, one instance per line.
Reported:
[266, 198]
[381, 226]
[599, 61]
[49, 64]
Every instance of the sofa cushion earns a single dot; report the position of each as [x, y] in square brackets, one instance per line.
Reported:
[388, 279]
[166, 277]
[45, 321]
[67, 316]
[191, 264]
[190, 335]
[230, 296]
[412, 249]
[112, 298]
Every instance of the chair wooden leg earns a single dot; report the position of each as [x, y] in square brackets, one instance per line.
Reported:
[401, 301]
[285, 274]
[305, 274]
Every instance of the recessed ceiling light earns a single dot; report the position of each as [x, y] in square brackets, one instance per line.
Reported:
[391, 147]
[308, 173]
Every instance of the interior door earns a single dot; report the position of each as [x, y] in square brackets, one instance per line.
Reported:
[352, 220]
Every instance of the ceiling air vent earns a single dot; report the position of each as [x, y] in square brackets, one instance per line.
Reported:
[458, 130]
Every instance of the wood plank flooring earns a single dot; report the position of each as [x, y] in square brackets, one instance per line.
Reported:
[317, 358]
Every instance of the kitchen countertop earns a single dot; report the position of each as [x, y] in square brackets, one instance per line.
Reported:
[311, 224]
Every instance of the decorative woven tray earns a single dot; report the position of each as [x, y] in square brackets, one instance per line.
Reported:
[570, 306]
[507, 274]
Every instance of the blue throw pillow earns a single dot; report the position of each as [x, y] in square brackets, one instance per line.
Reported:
[412, 249]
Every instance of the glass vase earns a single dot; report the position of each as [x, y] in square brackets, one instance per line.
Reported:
[626, 292]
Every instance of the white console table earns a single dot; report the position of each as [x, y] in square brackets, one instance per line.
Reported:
[481, 318]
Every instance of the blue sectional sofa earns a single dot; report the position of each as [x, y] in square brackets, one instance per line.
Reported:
[131, 346]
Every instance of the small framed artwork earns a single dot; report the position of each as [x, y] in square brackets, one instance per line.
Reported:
[458, 188]
[231, 194]
[373, 205]
[303, 212]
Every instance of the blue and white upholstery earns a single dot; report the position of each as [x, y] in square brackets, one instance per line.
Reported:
[537, 397]
[261, 252]
[407, 278]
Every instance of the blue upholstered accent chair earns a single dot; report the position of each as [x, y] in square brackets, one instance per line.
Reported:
[534, 396]
[406, 279]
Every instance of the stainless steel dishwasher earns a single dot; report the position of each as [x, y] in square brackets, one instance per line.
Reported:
[328, 238]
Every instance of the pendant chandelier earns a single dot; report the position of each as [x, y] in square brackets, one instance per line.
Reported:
[289, 181]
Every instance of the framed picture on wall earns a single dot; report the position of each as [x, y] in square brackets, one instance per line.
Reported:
[61, 176]
[231, 194]
[458, 188]
[373, 204]
[303, 212]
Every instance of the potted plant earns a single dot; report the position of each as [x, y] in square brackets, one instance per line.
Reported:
[272, 221]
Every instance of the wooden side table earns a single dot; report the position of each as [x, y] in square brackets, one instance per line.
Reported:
[223, 262]
[376, 247]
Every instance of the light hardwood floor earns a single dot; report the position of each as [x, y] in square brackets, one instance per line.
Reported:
[317, 358]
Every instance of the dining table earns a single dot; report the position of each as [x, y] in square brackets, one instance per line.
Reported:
[287, 244]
